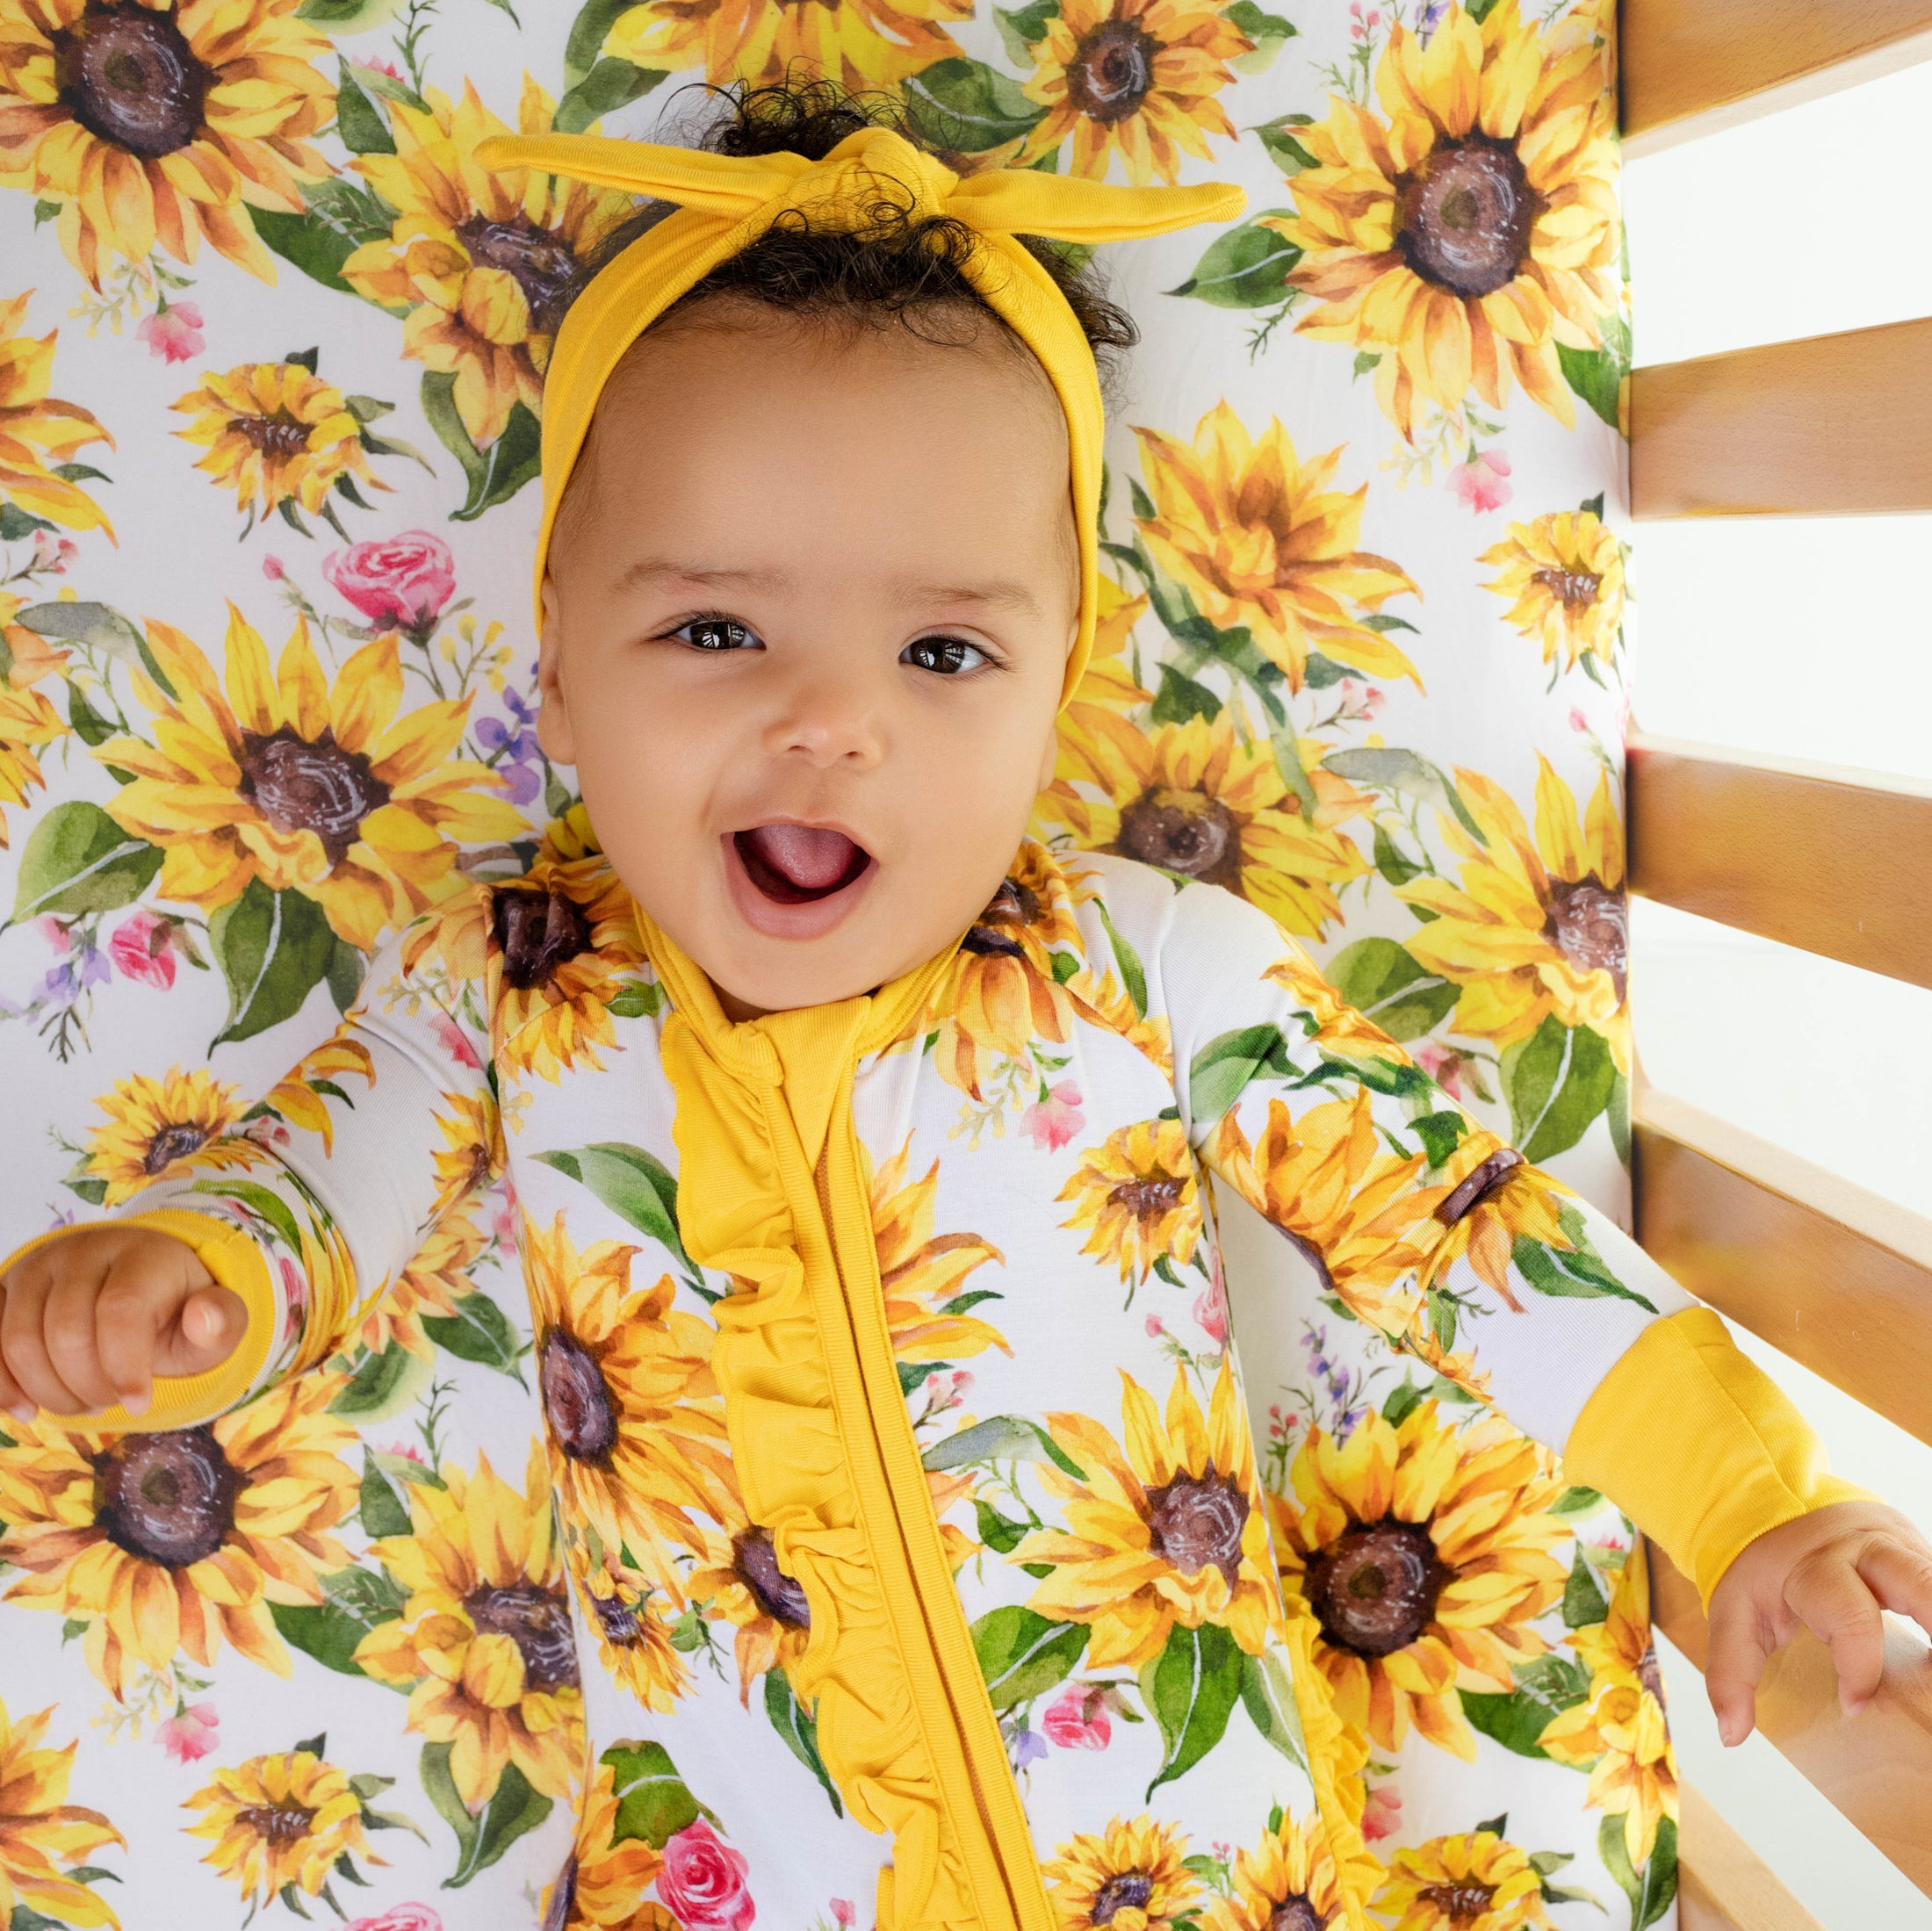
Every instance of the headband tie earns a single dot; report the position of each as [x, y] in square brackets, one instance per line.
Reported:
[727, 201]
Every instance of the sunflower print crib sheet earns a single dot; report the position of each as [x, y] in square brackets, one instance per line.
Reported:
[911, 1540]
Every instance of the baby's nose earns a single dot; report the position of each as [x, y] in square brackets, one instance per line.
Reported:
[829, 721]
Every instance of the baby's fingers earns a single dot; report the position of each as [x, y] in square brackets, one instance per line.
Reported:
[207, 1329]
[1734, 1664]
[23, 1345]
[1829, 1596]
[1901, 1576]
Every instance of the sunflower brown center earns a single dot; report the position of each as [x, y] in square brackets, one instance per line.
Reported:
[1125, 1891]
[1197, 1522]
[1013, 904]
[1588, 924]
[619, 1621]
[539, 932]
[562, 1897]
[576, 1398]
[128, 76]
[1649, 1674]
[318, 787]
[1462, 1903]
[283, 1823]
[1374, 1591]
[778, 1595]
[540, 263]
[1296, 1914]
[537, 1622]
[1574, 589]
[1463, 218]
[1146, 1199]
[1112, 70]
[278, 437]
[1480, 1185]
[172, 1143]
[1183, 832]
[167, 1498]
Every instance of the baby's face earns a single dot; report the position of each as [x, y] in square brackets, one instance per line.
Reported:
[806, 623]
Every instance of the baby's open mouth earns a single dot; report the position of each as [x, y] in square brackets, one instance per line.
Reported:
[794, 864]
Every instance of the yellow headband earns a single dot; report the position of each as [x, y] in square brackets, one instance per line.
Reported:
[727, 201]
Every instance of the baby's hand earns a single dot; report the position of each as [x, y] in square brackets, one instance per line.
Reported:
[90, 1319]
[1832, 1570]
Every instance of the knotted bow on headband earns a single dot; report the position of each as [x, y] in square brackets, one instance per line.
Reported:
[727, 201]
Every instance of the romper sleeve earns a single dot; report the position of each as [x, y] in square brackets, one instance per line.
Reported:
[319, 1196]
[1424, 1223]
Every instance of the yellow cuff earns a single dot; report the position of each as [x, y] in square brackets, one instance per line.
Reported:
[183, 1401]
[1699, 1447]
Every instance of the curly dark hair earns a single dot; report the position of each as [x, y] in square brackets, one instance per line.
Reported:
[894, 268]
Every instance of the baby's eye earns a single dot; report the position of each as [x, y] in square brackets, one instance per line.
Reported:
[949, 656]
[716, 633]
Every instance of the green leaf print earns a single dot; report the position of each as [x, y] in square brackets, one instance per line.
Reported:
[654, 1801]
[497, 473]
[1583, 1602]
[478, 1332]
[800, 1732]
[1282, 140]
[1247, 267]
[1268, 1694]
[965, 104]
[1598, 374]
[1578, 1274]
[362, 128]
[588, 31]
[1224, 1068]
[77, 860]
[1651, 1889]
[1133, 974]
[610, 84]
[1022, 1655]
[1403, 771]
[1557, 1081]
[633, 1185]
[355, 1602]
[383, 1511]
[514, 1809]
[382, 1386]
[1267, 31]
[1001, 1437]
[1388, 988]
[274, 950]
[1022, 28]
[1192, 1687]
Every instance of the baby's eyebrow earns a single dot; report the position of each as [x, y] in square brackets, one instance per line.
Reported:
[1011, 594]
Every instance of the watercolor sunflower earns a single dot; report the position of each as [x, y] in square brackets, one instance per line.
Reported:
[633, 1420]
[40, 1831]
[152, 1124]
[1535, 926]
[434, 1284]
[1196, 801]
[176, 1541]
[276, 435]
[1170, 1528]
[1332, 1025]
[472, 1154]
[1358, 1213]
[604, 1877]
[739, 1581]
[39, 434]
[1260, 539]
[484, 1643]
[1132, 80]
[1108, 685]
[634, 1638]
[28, 722]
[1138, 1197]
[299, 1097]
[481, 260]
[562, 939]
[920, 1271]
[1498, 1199]
[1291, 1881]
[1459, 1883]
[865, 44]
[1564, 576]
[1423, 1556]
[1132, 1877]
[279, 1824]
[1619, 1734]
[321, 791]
[1472, 228]
[159, 125]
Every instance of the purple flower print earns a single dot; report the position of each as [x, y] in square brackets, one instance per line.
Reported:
[513, 750]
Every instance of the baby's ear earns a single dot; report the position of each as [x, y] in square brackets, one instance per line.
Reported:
[553, 732]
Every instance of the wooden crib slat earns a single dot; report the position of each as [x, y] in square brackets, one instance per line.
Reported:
[1722, 1884]
[1694, 66]
[1828, 426]
[1833, 859]
[1874, 1768]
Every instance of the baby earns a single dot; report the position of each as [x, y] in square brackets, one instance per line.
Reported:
[817, 577]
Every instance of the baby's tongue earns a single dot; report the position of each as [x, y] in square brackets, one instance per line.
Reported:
[809, 857]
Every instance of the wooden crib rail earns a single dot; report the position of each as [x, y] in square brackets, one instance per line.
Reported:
[1693, 67]
[1829, 426]
[1836, 861]
[1722, 1884]
[1875, 1768]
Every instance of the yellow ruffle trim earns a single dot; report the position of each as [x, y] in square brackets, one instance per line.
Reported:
[772, 1192]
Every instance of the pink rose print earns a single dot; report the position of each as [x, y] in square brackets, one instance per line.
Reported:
[1446, 1067]
[1079, 1721]
[1383, 1815]
[456, 1043]
[52, 554]
[142, 948]
[189, 1733]
[274, 569]
[1482, 482]
[399, 1917]
[173, 332]
[1211, 1315]
[704, 1881]
[842, 1912]
[404, 580]
[1051, 1122]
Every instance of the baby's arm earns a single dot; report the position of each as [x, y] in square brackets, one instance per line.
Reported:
[253, 1257]
[1436, 1232]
